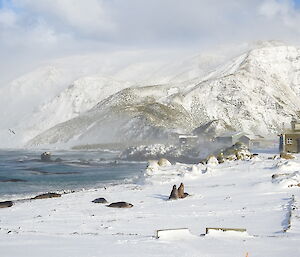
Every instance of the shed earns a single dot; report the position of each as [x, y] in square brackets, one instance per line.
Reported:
[187, 139]
[231, 138]
[257, 141]
[290, 138]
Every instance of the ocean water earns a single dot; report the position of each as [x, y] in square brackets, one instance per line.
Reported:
[22, 173]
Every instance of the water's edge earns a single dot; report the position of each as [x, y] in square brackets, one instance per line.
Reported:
[23, 174]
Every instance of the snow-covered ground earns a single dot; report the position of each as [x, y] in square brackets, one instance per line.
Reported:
[236, 194]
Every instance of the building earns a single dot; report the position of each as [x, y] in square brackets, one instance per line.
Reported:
[256, 141]
[290, 139]
[231, 138]
[187, 139]
[261, 142]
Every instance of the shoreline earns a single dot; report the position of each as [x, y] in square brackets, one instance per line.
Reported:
[29, 196]
[234, 194]
[24, 175]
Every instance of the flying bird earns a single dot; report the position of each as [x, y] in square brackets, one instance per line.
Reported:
[11, 131]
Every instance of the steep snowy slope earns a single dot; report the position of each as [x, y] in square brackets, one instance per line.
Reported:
[23, 96]
[64, 88]
[85, 92]
[132, 114]
[256, 92]
[76, 99]
[257, 96]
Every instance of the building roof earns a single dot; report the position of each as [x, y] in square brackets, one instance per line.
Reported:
[255, 137]
[290, 131]
[231, 134]
[187, 136]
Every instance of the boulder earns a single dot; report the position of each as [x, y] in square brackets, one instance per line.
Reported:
[46, 157]
[296, 185]
[164, 162]
[152, 165]
[220, 157]
[238, 151]
[231, 157]
[47, 195]
[6, 204]
[286, 156]
[212, 160]
[100, 200]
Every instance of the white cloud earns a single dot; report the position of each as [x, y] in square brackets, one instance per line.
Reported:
[157, 23]
[273, 8]
[282, 13]
[7, 18]
[83, 16]
[35, 30]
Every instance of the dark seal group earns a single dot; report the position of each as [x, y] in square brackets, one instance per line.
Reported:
[178, 193]
[113, 205]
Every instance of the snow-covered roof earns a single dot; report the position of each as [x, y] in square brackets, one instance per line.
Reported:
[187, 136]
[255, 137]
[291, 131]
[231, 134]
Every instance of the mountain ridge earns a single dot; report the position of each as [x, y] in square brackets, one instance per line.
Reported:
[246, 93]
[256, 92]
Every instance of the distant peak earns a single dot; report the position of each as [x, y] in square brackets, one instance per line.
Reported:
[268, 43]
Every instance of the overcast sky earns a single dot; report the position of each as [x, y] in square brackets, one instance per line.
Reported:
[35, 30]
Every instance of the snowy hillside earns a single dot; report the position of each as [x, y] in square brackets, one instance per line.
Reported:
[23, 96]
[255, 92]
[80, 99]
[64, 88]
[258, 93]
[76, 99]
[132, 114]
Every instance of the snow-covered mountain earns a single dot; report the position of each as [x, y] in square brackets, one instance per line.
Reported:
[128, 96]
[255, 92]
[64, 88]
[79, 97]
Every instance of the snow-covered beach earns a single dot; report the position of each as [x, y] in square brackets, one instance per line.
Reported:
[149, 128]
[234, 194]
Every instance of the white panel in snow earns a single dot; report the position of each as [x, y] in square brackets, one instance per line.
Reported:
[173, 234]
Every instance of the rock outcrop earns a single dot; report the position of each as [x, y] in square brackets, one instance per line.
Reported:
[46, 157]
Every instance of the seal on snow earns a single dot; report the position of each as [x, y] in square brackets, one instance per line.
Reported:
[100, 200]
[120, 205]
[174, 193]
